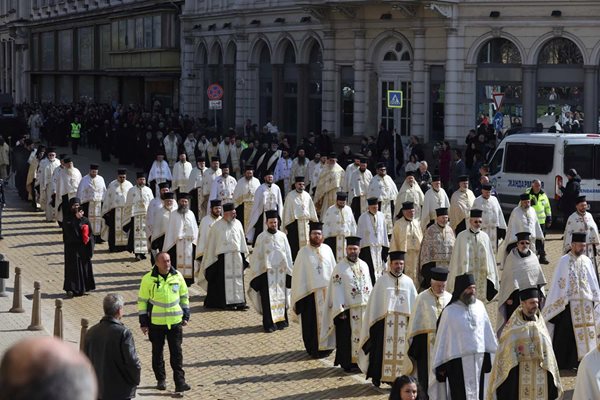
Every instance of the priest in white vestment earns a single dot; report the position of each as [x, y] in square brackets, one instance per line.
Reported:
[156, 203]
[572, 309]
[460, 205]
[160, 223]
[67, 182]
[282, 174]
[587, 384]
[195, 187]
[407, 236]
[222, 270]
[384, 188]
[581, 221]
[464, 344]
[350, 169]
[331, 181]
[338, 223]
[203, 230]
[422, 328]
[159, 172]
[45, 176]
[172, 144]
[436, 246]
[181, 172]
[209, 177]
[473, 253]
[310, 278]
[113, 212]
[267, 197]
[374, 242]
[222, 187]
[270, 275]
[433, 199]
[181, 238]
[410, 191]
[345, 305]
[384, 332]
[91, 191]
[298, 211]
[493, 219]
[136, 212]
[243, 196]
[300, 165]
[358, 185]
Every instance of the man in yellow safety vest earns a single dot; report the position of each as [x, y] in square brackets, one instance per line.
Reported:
[75, 134]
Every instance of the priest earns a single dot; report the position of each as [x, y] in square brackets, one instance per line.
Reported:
[156, 203]
[298, 211]
[581, 221]
[338, 223]
[522, 270]
[221, 273]
[310, 278]
[222, 187]
[407, 237]
[181, 238]
[209, 177]
[195, 186]
[422, 327]
[572, 309]
[113, 212]
[159, 172]
[136, 211]
[493, 222]
[374, 242]
[181, 172]
[67, 182]
[91, 191]
[358, 184]
[345, 305]
[384, 332]
[331, 181]
[384, 188]
[160, 217]
[270, 275]
[267, 197]
[203, 230]
[436, 247]
[460, 205]
[473, 254]
[464, 343]
[411, 191]
[243, 196]
[587, 385]
[434, 198]
[525, 366]
[47, 168]
[268, 160]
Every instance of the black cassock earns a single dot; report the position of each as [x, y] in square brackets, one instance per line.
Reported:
[374, 348]
[509, 389]
[563, 342]
[239, 214]
[109, 220]
[79, 275]
[355, 206]
[456, 379]
[215, 276]
[365, 255]
[194, 204]
[292, 235]
[306, 308]
[343, 341]
[261, 285]
[460, 227]
[418, 352]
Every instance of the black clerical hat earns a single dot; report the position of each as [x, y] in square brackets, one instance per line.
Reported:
[523, 236]
[580, 199]
[524, 196]
[214, 158]
[435, 178]
[122, 171]
[168, 196]
[438, 274]
[341, 196]
[228, 207]
[201, 158]
[139, 175]
[215, 203]
[67, 160]
[163, 185]
[333, 155]
[578, 237]
[372, 201]
[475, 213]
[74, 200]
[315, 226]
[249, 167]
[441, 211]
[271, 214]
[224, 165]
[94, 166]
[529, 293]
[381, 165]
[352, 241]
[396, 255]
[461, 282]
[183, 195]
[463, 178]
[408, 205]
[363, 160]
[299, 179]
[486, 186]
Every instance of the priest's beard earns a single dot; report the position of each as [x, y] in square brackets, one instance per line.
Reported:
[301, 160]
[468, 299]
[217, 215]
[475, 230]
[352, 258]
[183, 209]
[314, 243]
[272, 231]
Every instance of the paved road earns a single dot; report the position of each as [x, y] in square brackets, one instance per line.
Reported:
[226, 354]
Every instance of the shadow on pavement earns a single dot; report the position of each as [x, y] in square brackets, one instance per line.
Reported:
[277, 358]
[357, 390]
[116, 274]
[116, 260]
[243, 330]
[314, 373]
[32, 244]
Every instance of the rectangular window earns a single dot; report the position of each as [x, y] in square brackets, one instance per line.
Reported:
[115, 36]
[105, 45]
[130, 38]
[85, 39]
[139, 33]
[406, 110]
[581, 158]
[48, 51]
[527, 158]
[157, 28]
[35, 57]
[496, 163]
[122, 34]
[148, 33]
[65, 50]
[387, 114]
[347, 100]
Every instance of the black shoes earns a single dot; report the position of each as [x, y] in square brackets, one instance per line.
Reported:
[161, 385]
[544, 260]
[183, 388]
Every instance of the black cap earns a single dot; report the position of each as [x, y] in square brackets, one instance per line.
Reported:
[139, 175]
[372, 201]
[572, 172]
[341, 196]
[381, 165]
[67, 160]
[441, 211]
[50, 150]
[530, 293]
[122, 171]
[299, 179]
[228, 207]
[269, 171]
[352, 241]
[214, 158]
[461, 282]
[183, 195]
[271, 214]
[463, 178]
[163, 185]
[249, 167]
[333, 154]
[224, 165]
[438, 274]
[363, 160]
[168, 196]
[486, 186]
[410, 173]
[94, 166]
[315, 226]
[201, 158]
[578, 237]
[475, 213]
[74, 200]
[435, 178]
[408, 205]
[523, 236]
[580, 199]
[396, 255]
[524, 196]
[215, 203]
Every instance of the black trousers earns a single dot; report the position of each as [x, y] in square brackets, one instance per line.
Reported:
[539, 244]
[174, 336]
[75, 144]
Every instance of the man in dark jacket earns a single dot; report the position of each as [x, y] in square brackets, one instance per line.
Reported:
[570, 193]
[109, 346]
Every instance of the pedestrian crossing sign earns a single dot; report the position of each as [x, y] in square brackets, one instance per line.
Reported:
[395, 99]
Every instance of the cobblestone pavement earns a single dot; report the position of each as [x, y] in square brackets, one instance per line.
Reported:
[226, 354]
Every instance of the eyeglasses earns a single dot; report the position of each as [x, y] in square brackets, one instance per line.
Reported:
[524, 242]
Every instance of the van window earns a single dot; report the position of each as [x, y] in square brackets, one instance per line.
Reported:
[581, 158]
[496, 162]
[528, 158]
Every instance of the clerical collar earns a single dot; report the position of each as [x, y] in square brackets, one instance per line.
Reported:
[272, 231]
[407, 218]
[441, 226]
[372, 213]
[526, 318]
[474, 233]
[581, 213]
[396, 276]
[523, 255]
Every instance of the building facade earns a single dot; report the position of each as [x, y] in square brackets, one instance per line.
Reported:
[309, 65]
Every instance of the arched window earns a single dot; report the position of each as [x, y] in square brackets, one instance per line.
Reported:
[397, 53]
[499, 51]
[560, 51]
[390, 56]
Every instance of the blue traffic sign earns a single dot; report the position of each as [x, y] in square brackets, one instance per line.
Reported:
[395, 99]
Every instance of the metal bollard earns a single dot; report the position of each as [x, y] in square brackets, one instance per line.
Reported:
[36, 312]
[84, 328]
[58, 319]
[17, 306]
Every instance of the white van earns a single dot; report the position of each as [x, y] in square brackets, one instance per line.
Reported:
[523, 157]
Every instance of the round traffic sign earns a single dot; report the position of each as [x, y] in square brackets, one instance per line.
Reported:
[214, 92]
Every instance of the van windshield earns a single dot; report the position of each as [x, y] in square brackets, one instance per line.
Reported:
[529, 158]
[585, 159]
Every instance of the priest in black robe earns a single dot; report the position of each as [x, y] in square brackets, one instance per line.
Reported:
[78, 240]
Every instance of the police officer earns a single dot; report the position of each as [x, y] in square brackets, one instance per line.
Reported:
[75, 134]
[541, 204]
[164, 309]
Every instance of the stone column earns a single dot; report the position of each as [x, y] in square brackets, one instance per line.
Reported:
[453, 95]
[242, 93]
[590, 98]
[26, 73]
[329, 83]
[359, 83]
[469, 98]
[2, 71]
[529, 96]
[419, 91]
[253, 95]
[229, 102]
